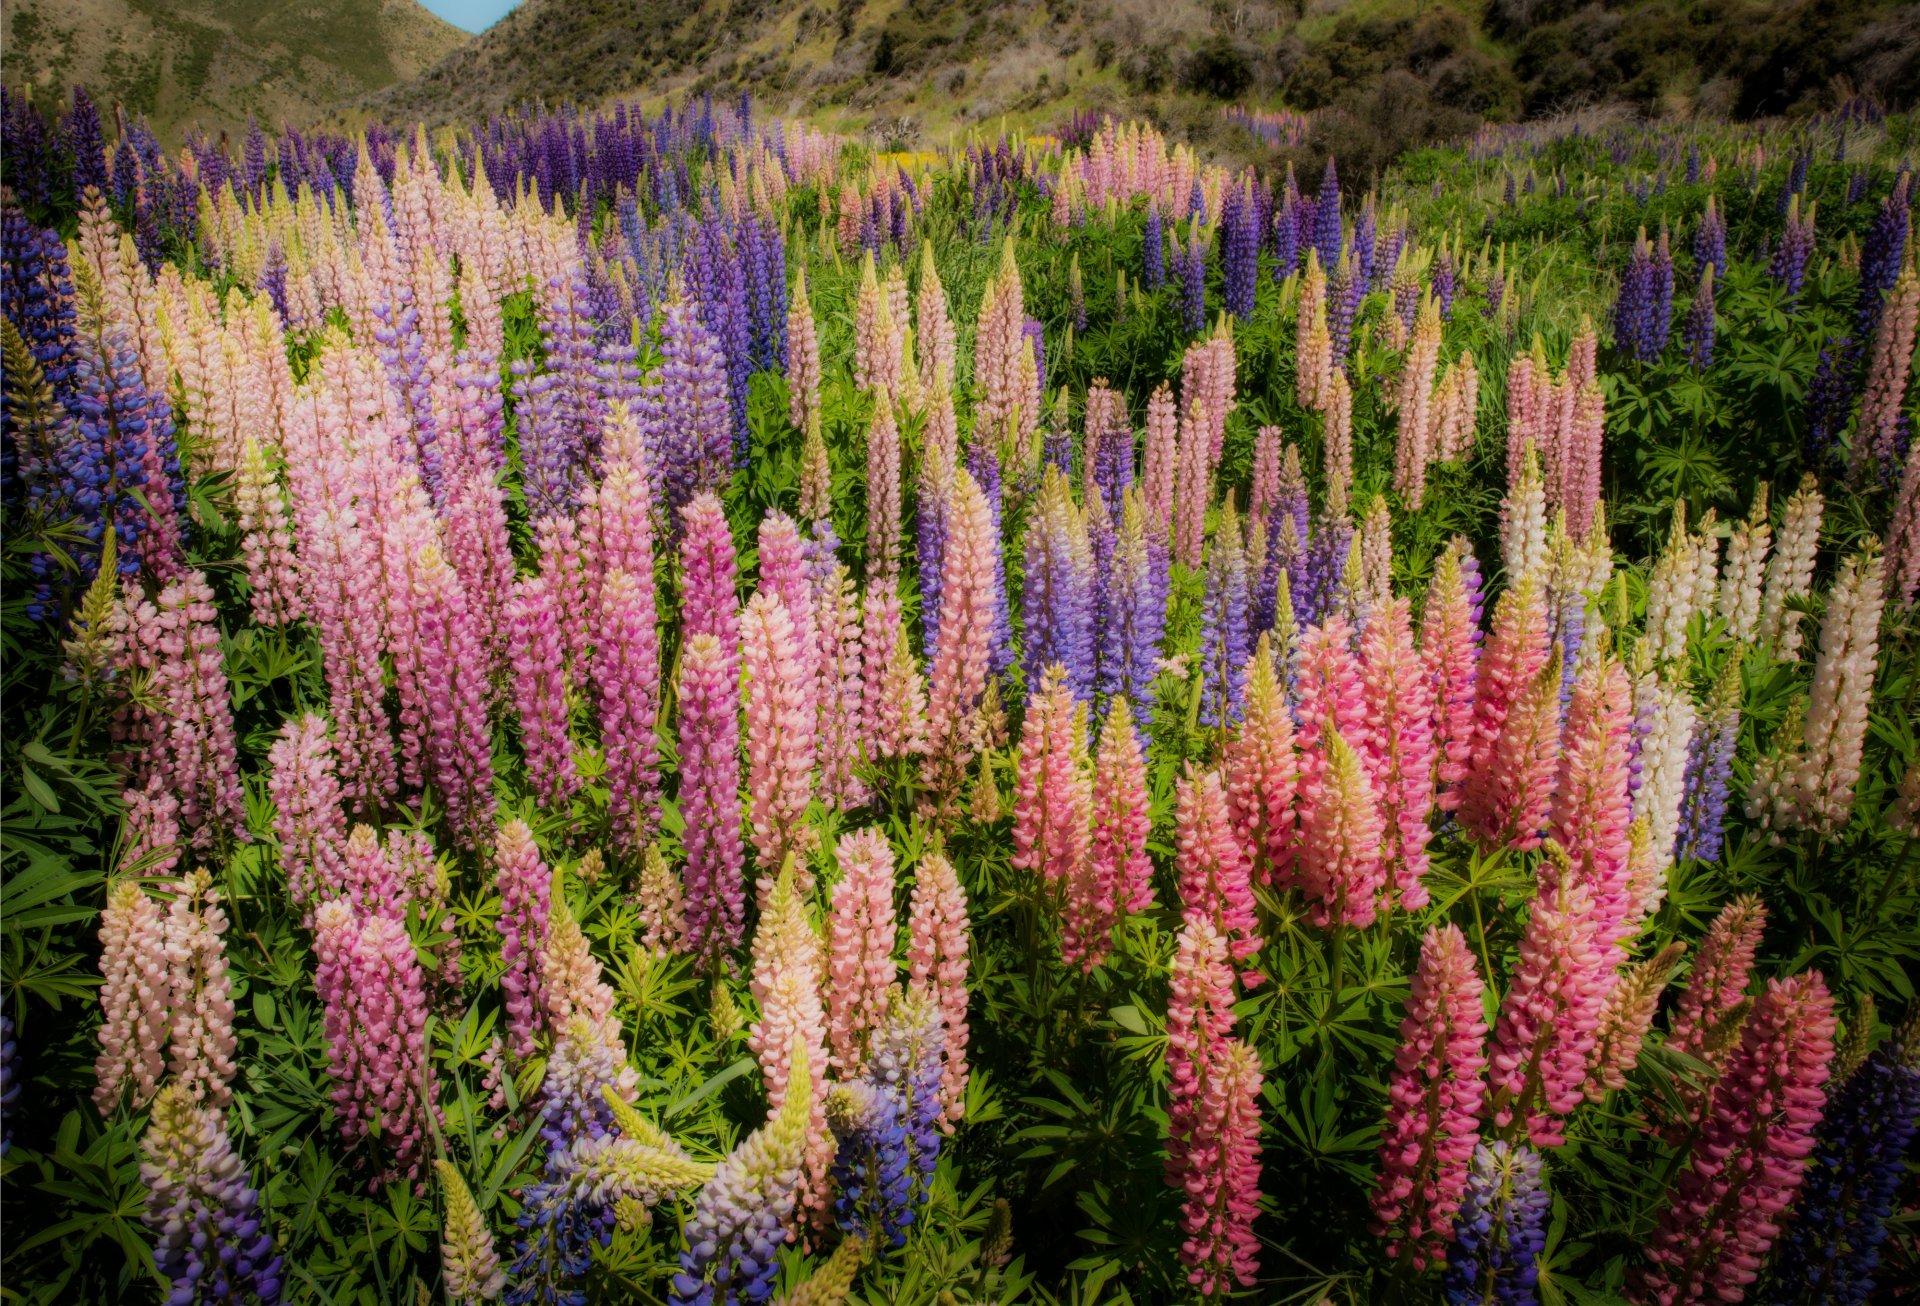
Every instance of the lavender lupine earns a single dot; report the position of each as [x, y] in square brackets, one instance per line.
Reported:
[1224, 638]
[213, 1245]
[1058, 598]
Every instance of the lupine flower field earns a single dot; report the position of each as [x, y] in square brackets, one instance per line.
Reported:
[605, 706]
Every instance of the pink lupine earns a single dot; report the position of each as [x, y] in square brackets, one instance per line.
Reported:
[841, 735]
[873, 335]
[1434, 1101]
[308, 820]
[1159, 460]
[1876, 438]
[1193, 487]
[1903, 535]
[273, 573]
[937, 346]
[1508, 802]
[571, 982]
[710, 792]
[1266, 473]
[1591, 805]
[1580, 477]
[370, 877]
[563, 562]
[803, 356]
[709, 605]
[150, 835]
[1052, 809]
[786, 572]
[616, 525]
[1727, 1206]
[860, 936]
[1415, 447]
[1339, 867]
[937, 942]
[969, 569]
[537, 665]
[1400, 749]
[200, 999]
[883, 492]
[1713, 1004]
[1119, 870]
[785, 982]
[781, 722]
[883, 717]
[453, 671]
[1213, 876]
[1510, 667]
[1262, 772]
[182, 729]
[1450, 651]
[1550, 1016]
[136, 1023]
[1330, 693]
[373, 992]
[525, 885]
[626, 676]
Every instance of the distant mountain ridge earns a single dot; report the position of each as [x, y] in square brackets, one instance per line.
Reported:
[209, 64]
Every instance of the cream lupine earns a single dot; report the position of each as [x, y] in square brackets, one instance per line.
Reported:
[1790, 569]
[134, 999]
[1746, 570]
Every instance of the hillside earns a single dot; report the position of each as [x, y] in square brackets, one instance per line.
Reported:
[1393, 71]
[211, 63]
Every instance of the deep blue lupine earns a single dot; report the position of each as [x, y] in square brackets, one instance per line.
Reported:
[929, 553]
[1703, 808]
[1316, 583]
[1057, 600]
[1693, 164]
[85, 142]
[718, 283]
[36, 296]
[1445, 281]
[1856, 186]
[255, 157]
[1710, 241]
[1701, 325]
[1788, 267]
[1286, 235]
[767, 278]
[1795, 186]
[1660, 319]
[1344, 293]
[1500, 1230]
[1133, 613]
[1153, 251]
[557, 1236]
[1240, 238]
[1193, 284]
[1509, 196]
[1634, 311]
[1830, 1249]
[1830, 396]
[1225, 636]
[1326, 217]
[1881, 252]
[125, 182]
[30, 150]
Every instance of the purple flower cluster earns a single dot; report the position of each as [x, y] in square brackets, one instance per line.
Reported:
[1225, 639]
[1327, 235]
[1193, 284]
[1153, 250]
[1788, 267]
[1500, 1230]
[1240, 235]
[1881, 252]
[1643, 312]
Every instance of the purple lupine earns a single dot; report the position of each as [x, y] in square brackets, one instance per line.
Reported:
[1316, 584]
[1703, 807]
[929, 553]
[1286, 232]
[1635, 310]
[1701, 325]
[86, 143]
[1344, 292]
[1240, 235]
[1058, 598]
[1193, 284]
[1365, 247]
[213, 1246]
[685, 406]
[1133, 612]
[1830, 396]
[1881, 253]
[1710, 241]
[1225, 639]
[558, 411]
[1153, 250]
[403, 352]
[1788, 267]
[1326, 217]
[984, 465]
[1660, 319]
[1445, 280]
[718, 284]
[1036, 336]
[1500, 1230]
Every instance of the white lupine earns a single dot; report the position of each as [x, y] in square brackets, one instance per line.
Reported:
[1746, 569]
[1663, 768]
[1523, 525]
[1836, 724]
[1790, 570]
[1670, 592]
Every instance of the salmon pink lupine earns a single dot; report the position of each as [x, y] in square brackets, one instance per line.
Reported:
[1339, 866]
[1591, 806]
[626, 675]
[860, 936]
[710, 792]
[370, 984]
[790, 1035]
[1213, 877]
[1550, 1017]
[1450, 651]
[1052, 806]
[136, 1022]
[1726, 1208]
[781, 725]
[1508, 803]
[525, 885]
[1400, 750]
[937, 942]
[1160, 461]
[1510, 666]
[1262, 771]
[308, 821]
[1433, 1101]
[1122, 818]
[1329, 693]
[538, 667]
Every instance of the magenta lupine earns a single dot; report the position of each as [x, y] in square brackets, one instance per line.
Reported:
[1121, 870]
[1434, 1100]
[781, 724]
[710, 604]
[1262, 771]
[563, 565]
[1591, 806]
[537, 662]
[1550, 1016]
[1052, 806]
[1400, 750]
[860, 935]
[1213, 877]
[370, 983]
[136, 1023]
[308, 820]
[525, 885]
[183, 729]
[1339, 866]
[937, 941]
[1727, 1206]
[710, 792]
[1329, 694]
[1450, 651]
[626, 675]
